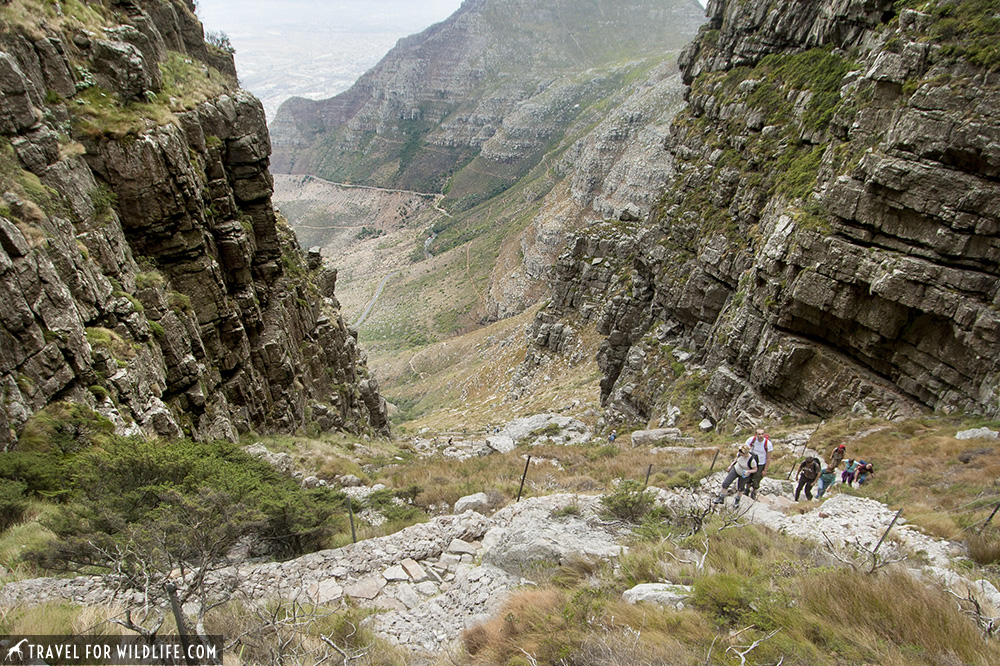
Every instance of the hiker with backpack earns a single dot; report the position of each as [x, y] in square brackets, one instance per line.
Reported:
[837, 455]
[863, 471]
[740, 470]
[827, 478]
[809, 471]
[759, 445]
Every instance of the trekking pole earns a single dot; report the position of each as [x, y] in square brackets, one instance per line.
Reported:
[983, 526]
[648, 472]
[523, 476]
[794, 460]
[894, 519]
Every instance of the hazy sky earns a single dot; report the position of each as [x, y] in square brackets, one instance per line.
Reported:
[312, 48]
[404, 16]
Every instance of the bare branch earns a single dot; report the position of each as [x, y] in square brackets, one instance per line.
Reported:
[748, 648]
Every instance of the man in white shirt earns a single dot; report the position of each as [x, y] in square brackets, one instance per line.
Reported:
[760, 445]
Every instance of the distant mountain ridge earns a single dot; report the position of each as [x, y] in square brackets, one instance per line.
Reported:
[473, 103]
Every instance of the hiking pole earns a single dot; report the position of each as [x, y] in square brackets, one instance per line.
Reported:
[894, 519]
[648, 472]
[983, 526]
[794, 460]
[523, 476]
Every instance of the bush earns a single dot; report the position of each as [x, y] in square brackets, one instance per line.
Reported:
[42, 473]
[12, 503]
[629, 502]
[128, 491]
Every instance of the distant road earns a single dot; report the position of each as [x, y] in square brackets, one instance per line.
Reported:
[371, 304]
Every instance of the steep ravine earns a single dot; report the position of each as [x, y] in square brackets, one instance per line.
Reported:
[143, 271]
[831, 240]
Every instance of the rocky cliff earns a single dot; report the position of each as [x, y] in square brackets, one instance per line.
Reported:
[831, 238]
[486, 92]
[143, 271]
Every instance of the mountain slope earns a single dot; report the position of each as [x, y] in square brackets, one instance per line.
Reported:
[829, 242]
[493, 85]
[143, 272]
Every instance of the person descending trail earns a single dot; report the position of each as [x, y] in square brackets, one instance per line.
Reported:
[740, 470]
[809, 471]
[760, 445]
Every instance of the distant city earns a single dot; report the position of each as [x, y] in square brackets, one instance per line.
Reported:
[314, 49]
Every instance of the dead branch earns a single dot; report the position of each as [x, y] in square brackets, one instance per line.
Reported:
[748, 648]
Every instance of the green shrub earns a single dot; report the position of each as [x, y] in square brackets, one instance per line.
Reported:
[628, 502]
[13, 503]
[43, 474]
[125, 491]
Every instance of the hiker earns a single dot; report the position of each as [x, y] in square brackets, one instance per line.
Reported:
[759, 445]
[613, 436]
[809, 471]
[861, 474]
[837, 455]
[826, 480]
[848, 474]
[740, 470]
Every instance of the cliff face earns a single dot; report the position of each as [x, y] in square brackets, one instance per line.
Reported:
[831, 239]
[142, 269]
[495, 84]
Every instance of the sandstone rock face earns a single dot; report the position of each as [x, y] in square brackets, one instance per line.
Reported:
[830, 241]
[140, 257]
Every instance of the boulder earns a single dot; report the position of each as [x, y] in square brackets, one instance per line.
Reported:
[479, 503]
[977, 433]
[652, 437]
[667, 595]
[500, 444]
[534, 540]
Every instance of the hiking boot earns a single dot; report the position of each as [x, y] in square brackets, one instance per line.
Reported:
[719, 500]
[736, 503]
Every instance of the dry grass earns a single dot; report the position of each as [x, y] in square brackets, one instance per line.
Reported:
[587, 469]
[919, 467]
[36, 17]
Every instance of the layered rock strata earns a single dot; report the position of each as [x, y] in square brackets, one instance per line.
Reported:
[831, 239]
[143, 270]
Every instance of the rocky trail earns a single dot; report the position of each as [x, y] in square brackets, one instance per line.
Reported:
[433, 580]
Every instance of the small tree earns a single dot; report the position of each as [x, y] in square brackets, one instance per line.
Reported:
[629, 502]
[219, 40]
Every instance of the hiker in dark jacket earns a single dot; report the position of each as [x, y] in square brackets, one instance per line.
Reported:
[861, 474]
[837, 455]
[808, 473]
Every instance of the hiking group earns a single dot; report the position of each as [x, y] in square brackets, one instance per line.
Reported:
[754, 456]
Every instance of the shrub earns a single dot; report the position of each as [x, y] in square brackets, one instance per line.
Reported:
[12, 503]
[129, 490]
[628, 502]
[42, 473]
